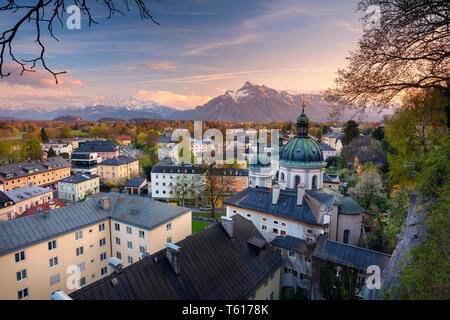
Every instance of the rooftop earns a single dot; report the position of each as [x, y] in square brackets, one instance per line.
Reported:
[212, 267]
[79, 178]
[22, 194]
[43, 207]
[139, 211]
[97, 146]
[293, 243]
[325, 147]
[135, 182]
[23, 169]
[117, 161]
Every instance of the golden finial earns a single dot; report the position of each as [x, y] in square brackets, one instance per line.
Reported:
[303, 102]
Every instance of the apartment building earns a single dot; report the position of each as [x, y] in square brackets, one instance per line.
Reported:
[68, 248]
[85, 162]
[229, 260]
[78, 186]
[22, 199]
[104, 149]
[61, 148]
[118, 169]
[40, 173]
[166, 174]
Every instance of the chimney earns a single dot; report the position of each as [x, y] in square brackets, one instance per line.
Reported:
[52, 205]
[227, 224]
[173, 255]
[275, 194]
[104, 203]
[116, 264]
[300, 193]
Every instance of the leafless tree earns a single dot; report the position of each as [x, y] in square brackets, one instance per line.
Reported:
[408, 49]
[45, 14]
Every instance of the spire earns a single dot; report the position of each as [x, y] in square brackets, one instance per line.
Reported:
[302, 121]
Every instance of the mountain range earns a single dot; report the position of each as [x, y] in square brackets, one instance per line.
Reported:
[252, 102]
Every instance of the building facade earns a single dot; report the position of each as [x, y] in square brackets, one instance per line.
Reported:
[40, 173]
[78, 186]
[118, 170]
[68, 248]
[23, 199]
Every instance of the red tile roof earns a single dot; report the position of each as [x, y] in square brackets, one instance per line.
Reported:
[120, 138]
[45, 207]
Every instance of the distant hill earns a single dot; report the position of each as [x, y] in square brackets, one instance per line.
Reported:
[255, 102]
[68, 118]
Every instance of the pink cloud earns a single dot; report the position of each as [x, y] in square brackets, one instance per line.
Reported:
[155, 66]
[173, 99]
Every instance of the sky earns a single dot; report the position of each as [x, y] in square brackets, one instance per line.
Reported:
[201, 49]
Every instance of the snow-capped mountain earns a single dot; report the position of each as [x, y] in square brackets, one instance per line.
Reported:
[255, 102]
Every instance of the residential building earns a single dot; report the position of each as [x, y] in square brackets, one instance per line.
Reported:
[118, 170]
[166, 174]
[60, 148]
[85, 162]
[78, 186]
[23, 199]
[124, 140]
[104, 149]
[331, 181]
[327, 151]
[7, 207]
[41, 252]
[40, 173]
[229, 260]
[334, 140]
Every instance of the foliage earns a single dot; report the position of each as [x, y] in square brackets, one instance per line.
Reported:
[51, 153]
[32, 149]
[299, 294]
[65, 132]
[186, 187]
[368, 189]
[214, 187]
[378, 133]
[351, 132]
[396, 215]
[412, 132]
[44, 137]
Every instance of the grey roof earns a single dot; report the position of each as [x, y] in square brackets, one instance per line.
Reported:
[79, 178]
[165, 140]
[345, 254]
[178, 168]
[139, 211]
[22, 194]
[260, 199]
[330, 178]
[346, 204]
[135, 182]
[4, 199]
[326, 147]
[293, 243]
[212, 267]
[118, 161]
[97, 146]
[21, 169]
[337, 135]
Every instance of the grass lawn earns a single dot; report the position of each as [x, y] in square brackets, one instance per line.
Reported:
[78, 133]
[198, 226]
[207, 215]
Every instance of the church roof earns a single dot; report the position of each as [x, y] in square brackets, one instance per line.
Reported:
[301, 151]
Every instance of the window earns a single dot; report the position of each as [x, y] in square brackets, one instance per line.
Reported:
[54, 279]
[102, 256]
[141, 234]
[78, 235]
[21, 275]
[103, 270]
[130, 260]
[249, 215]
[169, 240]
[129, 230]
[82, 282]
[82, 266]
[283, 224]
[117, 227]
[130, 245]
[19, 256]
[282, 176]
[283, 232]
[297, 180]
[101, 227]
[307, 260]
[53, 262]
[102, 242]
[168, 227]
[118, 255]
[291, 254]
[264, 227]
[275, 222]
[275, 230]
[278, 251]
[79, 251]
[118, 241]
[22, 294]
[314, 182]
[264, 219]
[141, 249]
[52, 245]
[346, 236]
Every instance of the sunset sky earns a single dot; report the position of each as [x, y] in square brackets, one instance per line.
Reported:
[200, 49]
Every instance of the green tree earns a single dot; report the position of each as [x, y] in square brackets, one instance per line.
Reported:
[369, 188]
[51, 153]
[378, 133]
[412, 132]
[351, 132]
[44, 137]
[65, 132]
[32, 149]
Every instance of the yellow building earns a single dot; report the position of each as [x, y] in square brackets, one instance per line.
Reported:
[229, 260]
[68, 248]
[118, 170]
[78, 186]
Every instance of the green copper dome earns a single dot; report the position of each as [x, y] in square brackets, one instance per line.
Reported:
[302, 150]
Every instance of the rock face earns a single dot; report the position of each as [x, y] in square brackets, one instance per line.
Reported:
[413, 234]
